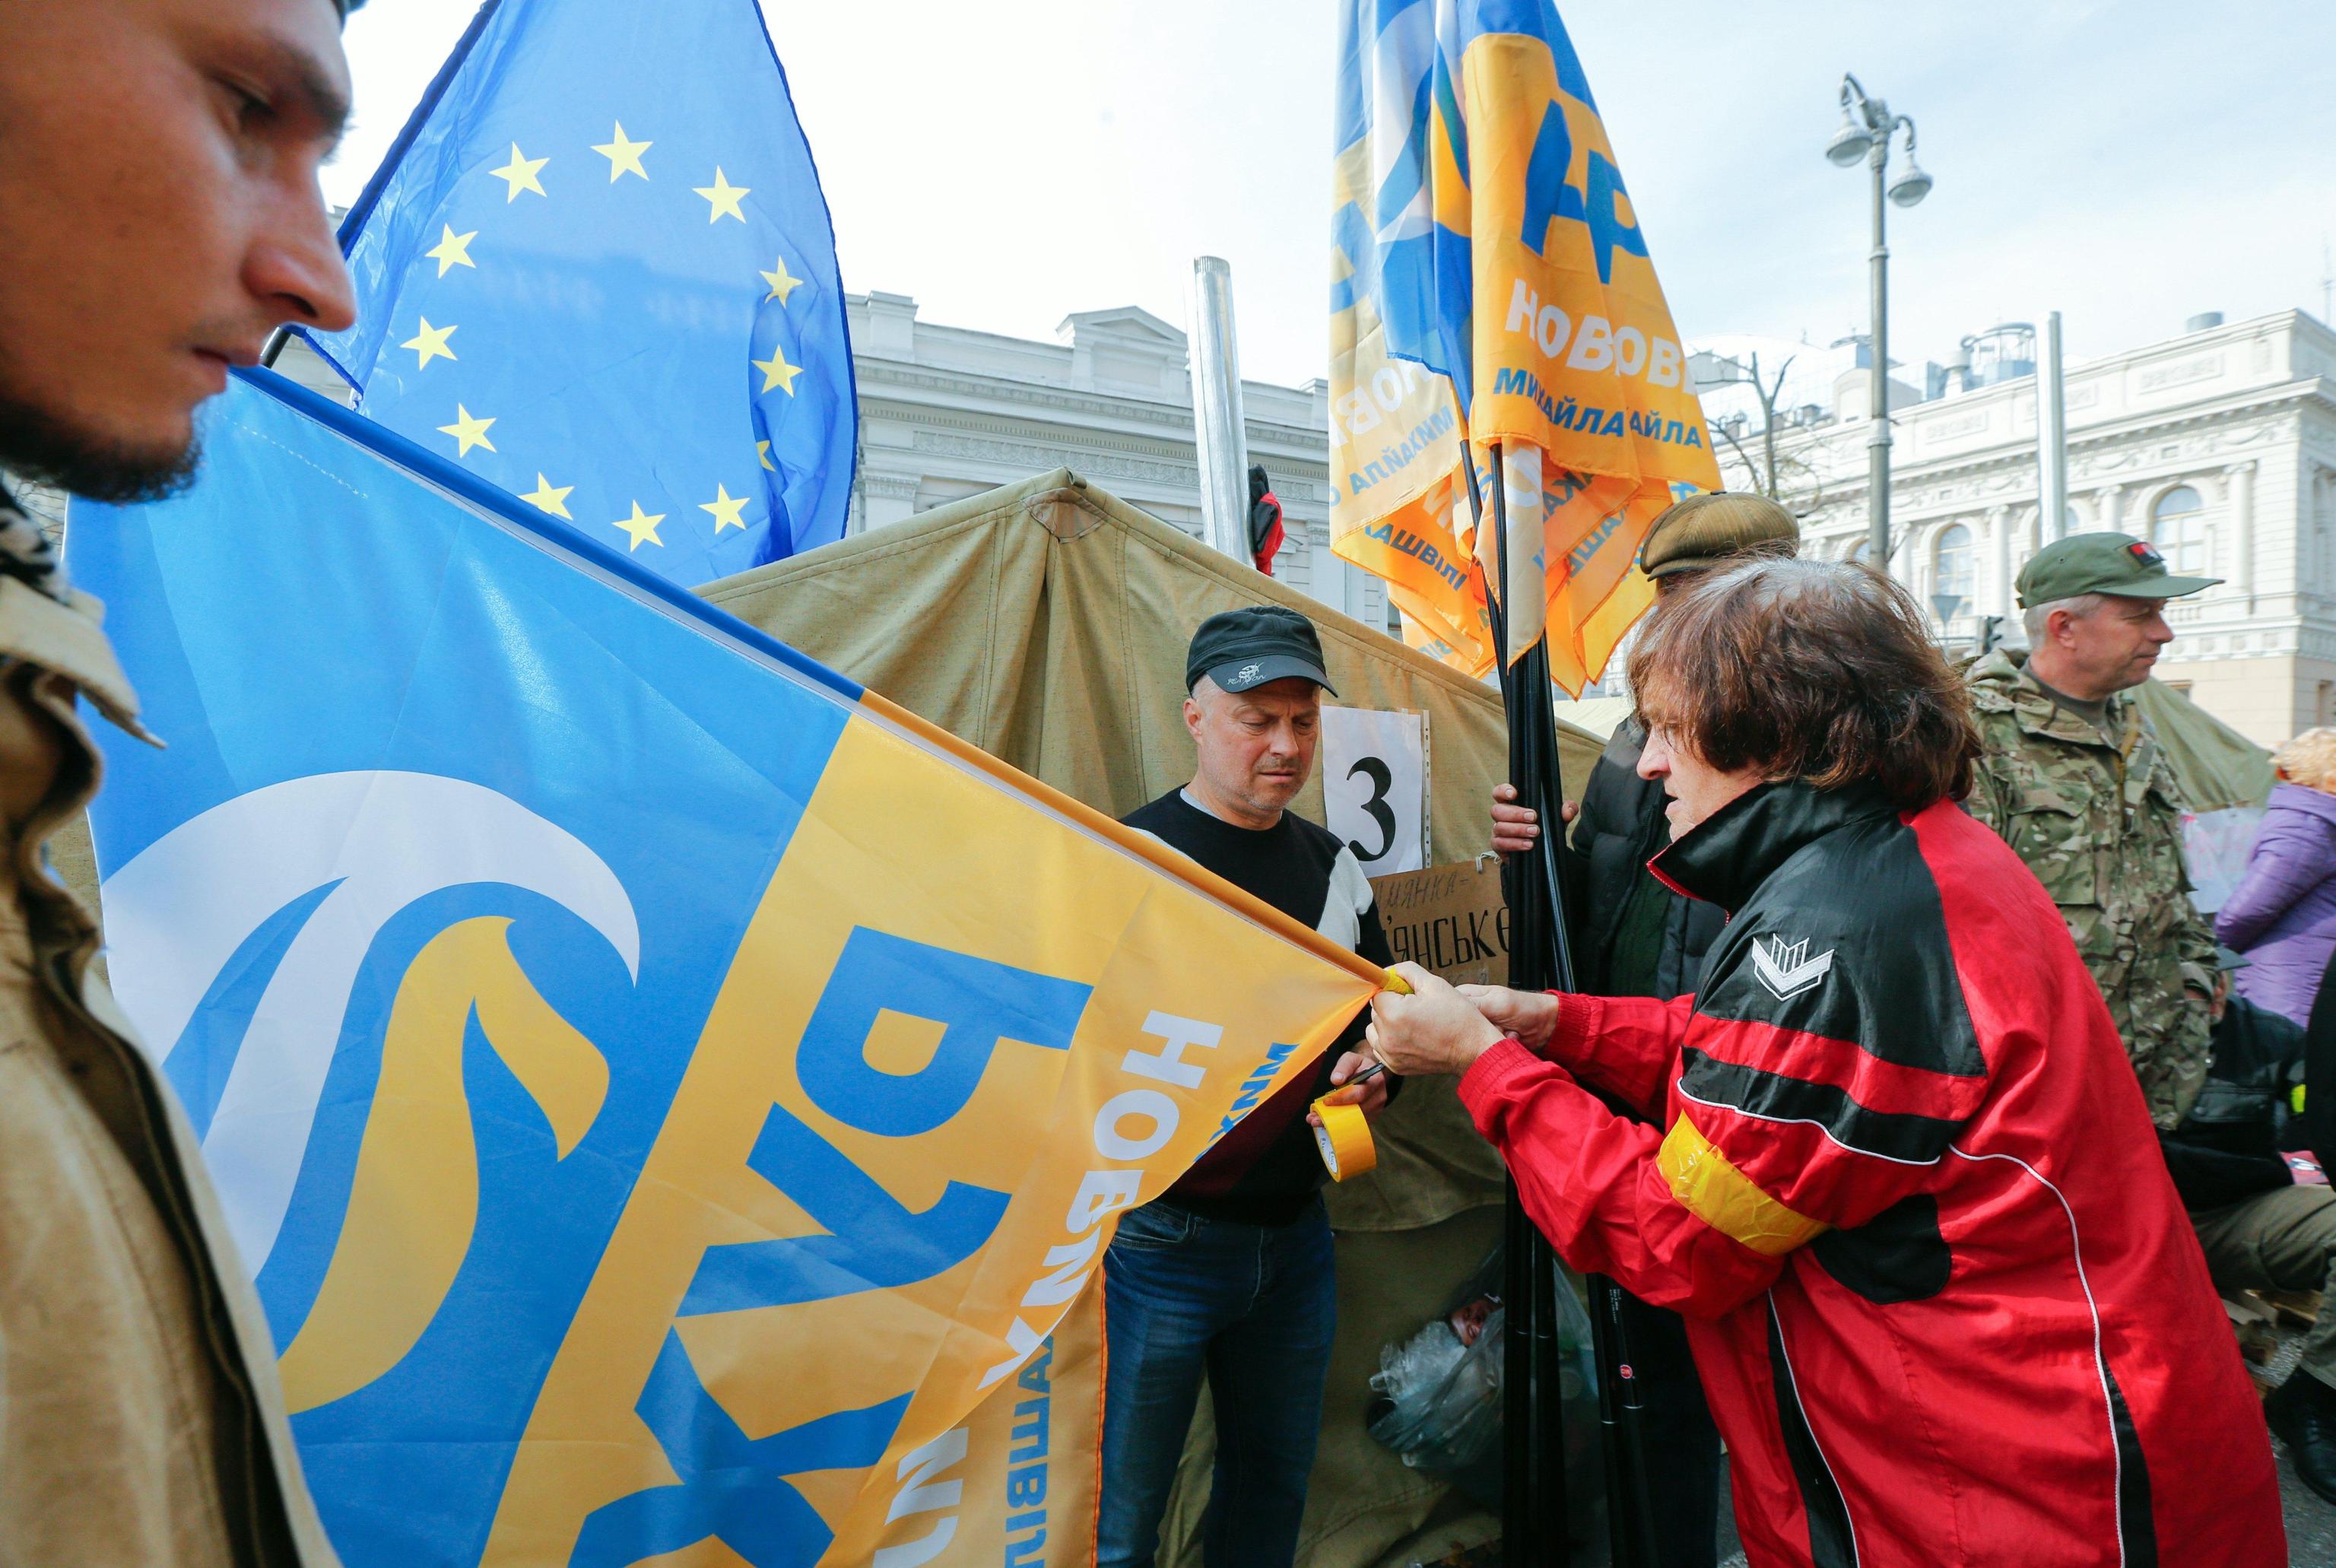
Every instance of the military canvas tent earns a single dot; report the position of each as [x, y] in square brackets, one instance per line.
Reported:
[2224, 778]
[2217, 767]
[1047, 623]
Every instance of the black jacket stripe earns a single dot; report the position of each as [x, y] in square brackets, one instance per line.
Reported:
[1832, 1542]
[2135, 1527]
[1891, 1134]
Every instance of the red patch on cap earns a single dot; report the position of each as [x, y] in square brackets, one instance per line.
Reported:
[2144, 553]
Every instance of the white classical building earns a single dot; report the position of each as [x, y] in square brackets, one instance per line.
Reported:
[946, 412]
[2218, 445]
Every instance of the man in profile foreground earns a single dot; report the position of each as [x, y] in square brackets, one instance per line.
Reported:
[159, 217]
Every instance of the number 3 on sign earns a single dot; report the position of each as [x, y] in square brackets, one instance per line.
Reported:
[1375, 786]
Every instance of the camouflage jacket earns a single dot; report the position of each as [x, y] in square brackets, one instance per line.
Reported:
[2101, 827]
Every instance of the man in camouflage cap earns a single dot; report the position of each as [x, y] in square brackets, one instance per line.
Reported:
[2075, 780]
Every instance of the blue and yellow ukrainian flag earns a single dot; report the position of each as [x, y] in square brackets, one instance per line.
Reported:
[1491, 287]
[596, 269]
[668, 1096]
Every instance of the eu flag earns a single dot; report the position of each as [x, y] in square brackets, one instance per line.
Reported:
[596, 271]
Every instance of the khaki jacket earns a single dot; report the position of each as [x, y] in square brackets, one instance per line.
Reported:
[2100, 824]
[140, 1420]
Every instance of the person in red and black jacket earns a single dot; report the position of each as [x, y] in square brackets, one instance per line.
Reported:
[1943, 1296]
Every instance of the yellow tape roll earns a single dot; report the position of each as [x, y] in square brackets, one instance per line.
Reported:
[1345, 1139]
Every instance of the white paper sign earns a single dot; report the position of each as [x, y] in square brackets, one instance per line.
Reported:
[1375, 786]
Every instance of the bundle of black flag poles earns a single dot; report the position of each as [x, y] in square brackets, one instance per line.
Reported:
[1535, 1517]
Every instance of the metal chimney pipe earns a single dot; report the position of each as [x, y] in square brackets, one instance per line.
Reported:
[2051, 436]
[1221, 433]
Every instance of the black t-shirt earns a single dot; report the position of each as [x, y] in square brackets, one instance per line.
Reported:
[1267, 1169]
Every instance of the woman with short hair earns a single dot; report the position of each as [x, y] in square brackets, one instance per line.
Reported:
[1902, 1182]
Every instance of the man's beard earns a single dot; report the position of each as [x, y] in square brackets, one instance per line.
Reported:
[39, 447]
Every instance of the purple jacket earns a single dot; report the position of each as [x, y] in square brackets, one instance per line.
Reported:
[2283, 913]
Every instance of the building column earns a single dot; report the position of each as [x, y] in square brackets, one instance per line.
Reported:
[886, 498]
[2310, 520]
[2110, 503]
[1998, 530]
[2239, 485]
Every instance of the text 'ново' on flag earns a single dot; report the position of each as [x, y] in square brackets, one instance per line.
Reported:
[672, 1101]
[596, 269]
[1492, 287]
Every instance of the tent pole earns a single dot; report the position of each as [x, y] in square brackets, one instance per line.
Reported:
[1220, 436]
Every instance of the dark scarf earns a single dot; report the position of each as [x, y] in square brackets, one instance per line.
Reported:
[27, 554]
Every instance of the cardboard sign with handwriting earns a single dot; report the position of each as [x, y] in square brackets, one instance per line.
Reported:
[1449, 920]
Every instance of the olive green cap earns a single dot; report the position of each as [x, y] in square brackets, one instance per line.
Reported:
[2115, 563]
[1704, 529]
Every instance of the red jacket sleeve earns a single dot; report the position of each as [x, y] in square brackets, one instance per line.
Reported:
[1590, 1181]
[1626, 1046]
[1783, 1135]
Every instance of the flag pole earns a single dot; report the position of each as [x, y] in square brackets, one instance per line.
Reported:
[1535, 1515]
[1534, 1504]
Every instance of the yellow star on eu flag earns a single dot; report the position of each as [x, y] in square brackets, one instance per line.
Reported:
[429, 342]
[467, 432]
[722, 197]
[624, 157]
[777, 372]
[762, 456]
[725, 508]
[519, 173]
[552, 498]
[781, 284]
[642, 526]
[451, 251]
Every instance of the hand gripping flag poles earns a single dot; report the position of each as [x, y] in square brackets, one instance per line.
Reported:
[1473, 165]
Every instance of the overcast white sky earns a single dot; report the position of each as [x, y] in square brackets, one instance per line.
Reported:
[2128, 162]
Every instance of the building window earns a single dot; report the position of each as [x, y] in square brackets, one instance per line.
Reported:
[1954, 558]
[2178, 529]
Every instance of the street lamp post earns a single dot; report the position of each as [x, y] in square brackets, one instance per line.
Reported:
[1867, 127]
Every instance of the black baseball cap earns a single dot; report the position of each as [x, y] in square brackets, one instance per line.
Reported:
[1246, 647]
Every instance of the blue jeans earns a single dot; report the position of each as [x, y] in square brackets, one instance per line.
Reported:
[1252, 1308]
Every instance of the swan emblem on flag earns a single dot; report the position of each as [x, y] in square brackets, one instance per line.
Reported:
[372, 843]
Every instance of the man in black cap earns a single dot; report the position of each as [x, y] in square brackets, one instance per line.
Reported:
[1227, 1277]
[160, 216]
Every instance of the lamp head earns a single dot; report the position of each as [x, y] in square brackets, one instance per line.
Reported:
[1911, 184]
[1852, 142]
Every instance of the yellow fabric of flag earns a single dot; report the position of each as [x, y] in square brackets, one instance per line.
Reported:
[1483, 231]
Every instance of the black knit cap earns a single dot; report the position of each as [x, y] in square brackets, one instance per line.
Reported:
[1245, 647]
